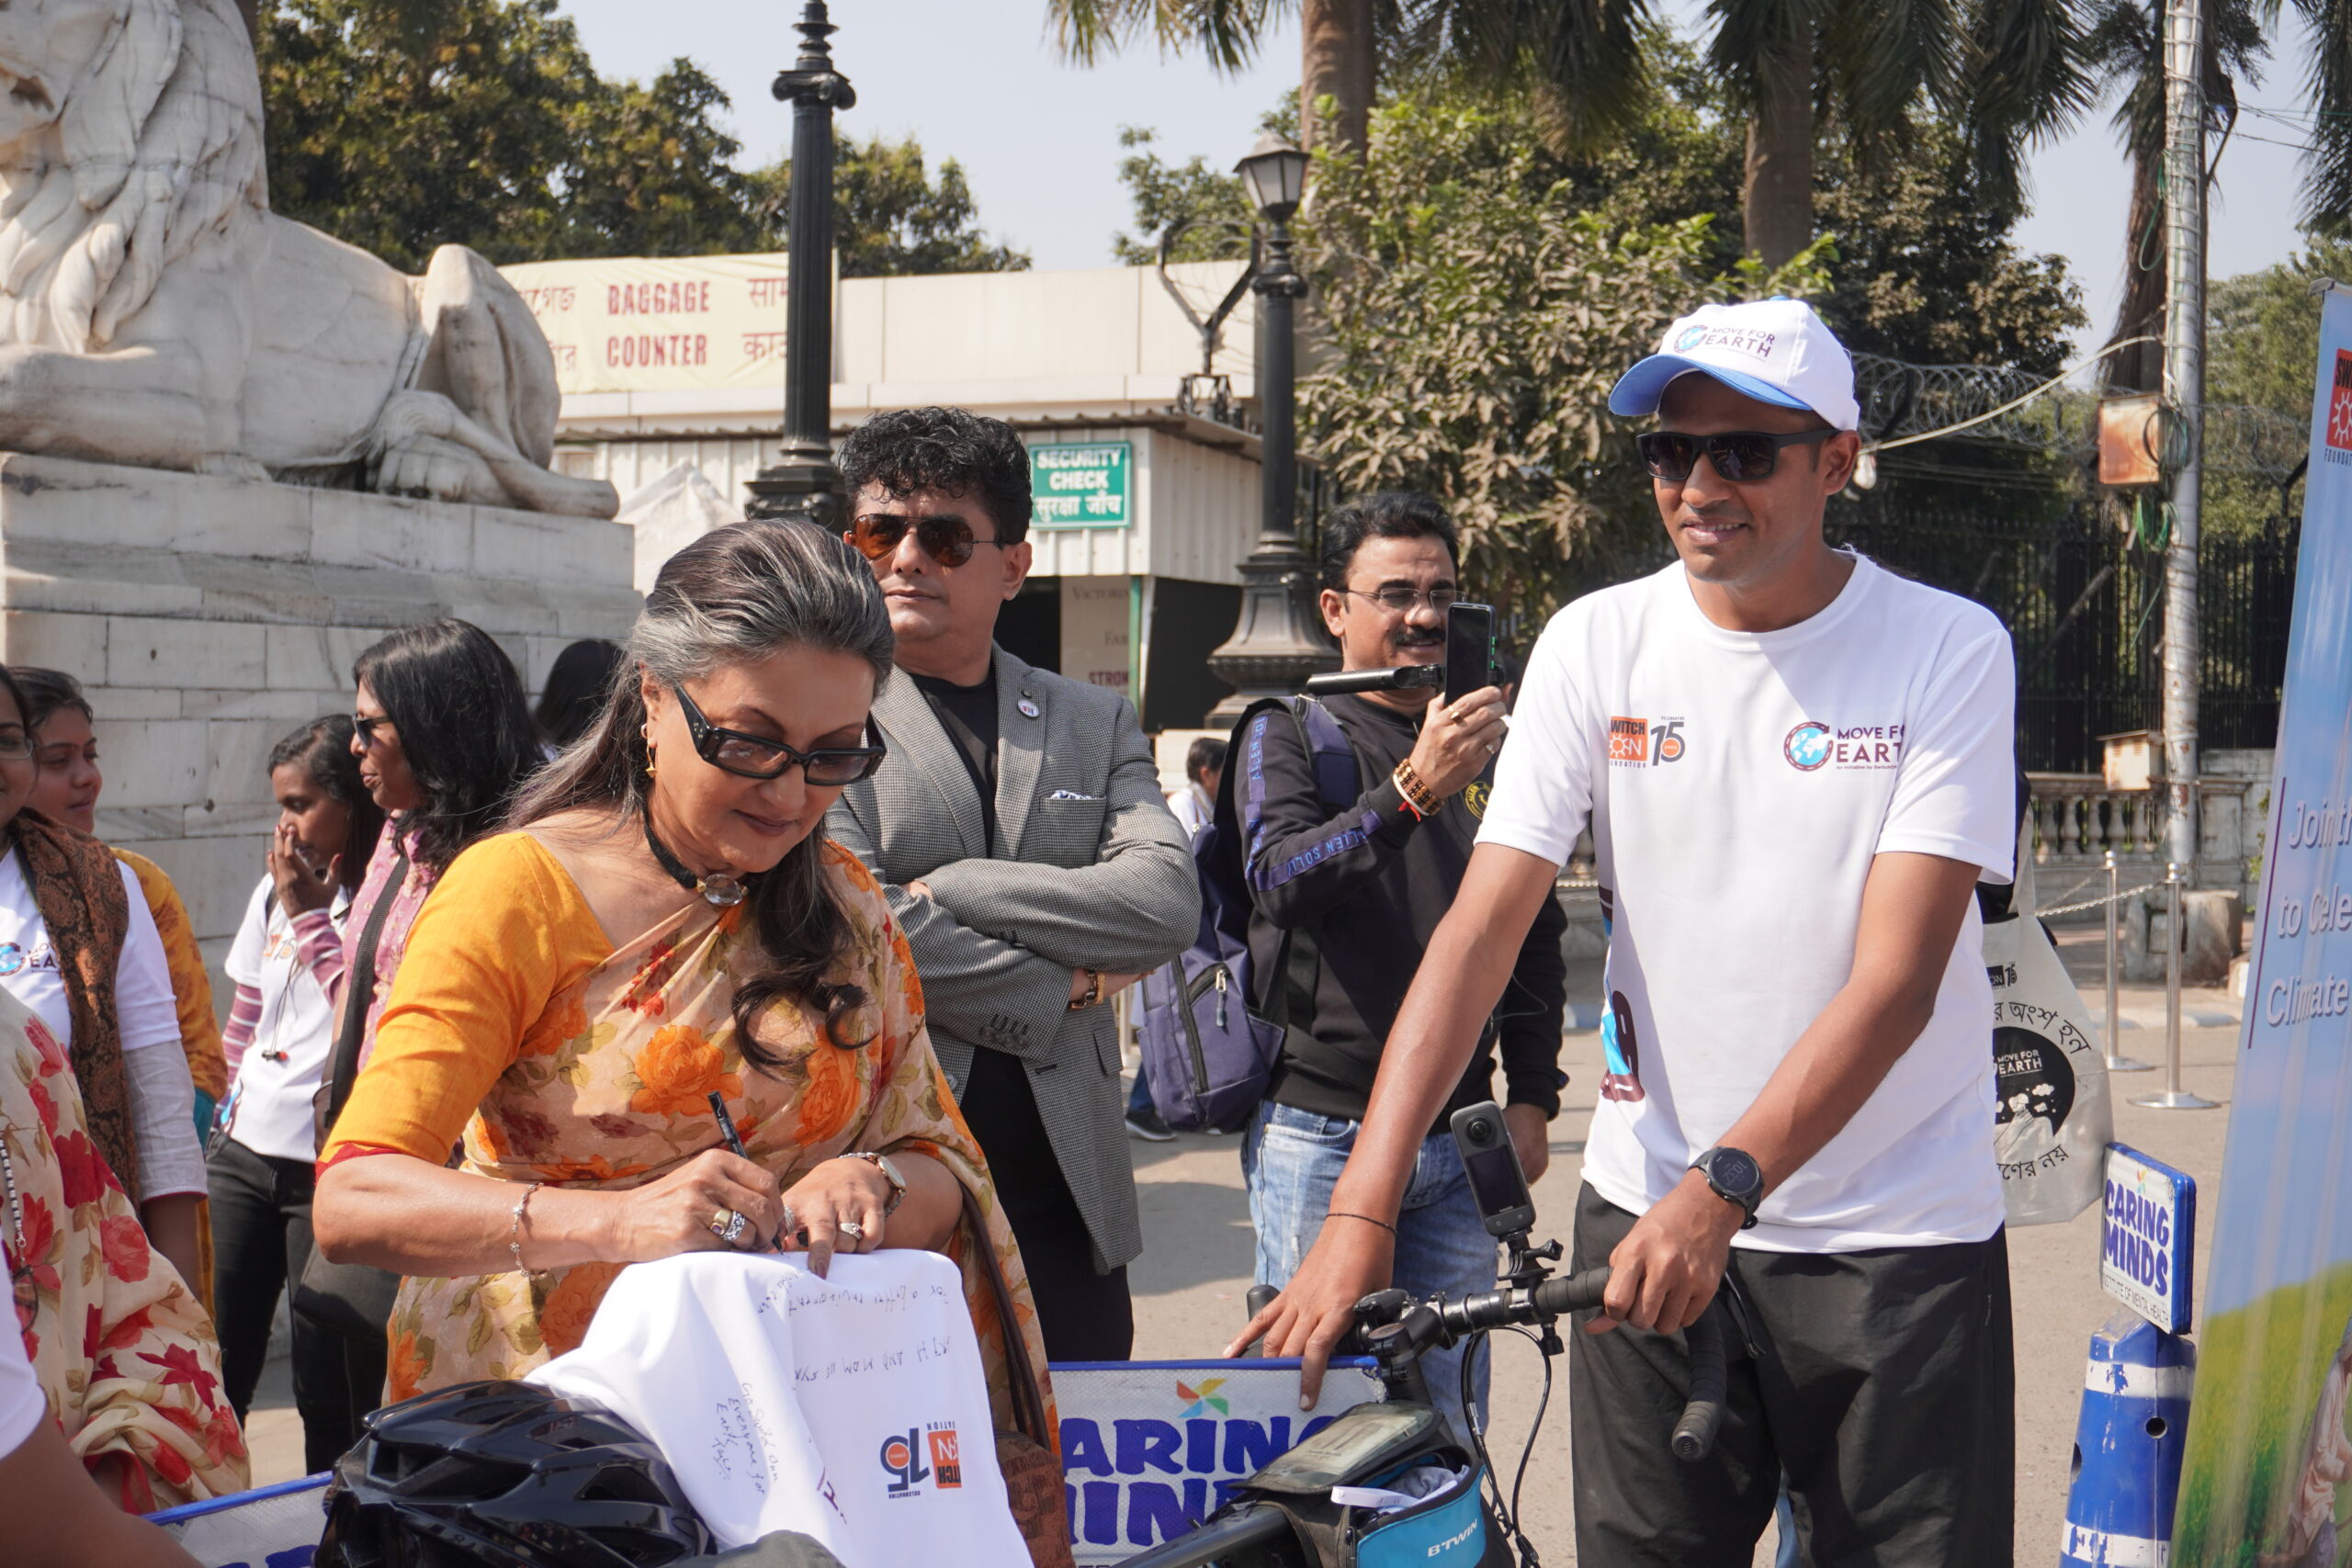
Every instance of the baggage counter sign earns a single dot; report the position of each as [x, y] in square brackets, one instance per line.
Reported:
[1081, 485]
[2148, 1238]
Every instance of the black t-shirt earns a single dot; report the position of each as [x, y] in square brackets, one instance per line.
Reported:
[969, 715]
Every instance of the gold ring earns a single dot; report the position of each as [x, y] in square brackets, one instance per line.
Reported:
[727, 1226]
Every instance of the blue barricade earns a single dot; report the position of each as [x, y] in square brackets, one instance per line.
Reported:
[2127, 1444]
[1148, 1449]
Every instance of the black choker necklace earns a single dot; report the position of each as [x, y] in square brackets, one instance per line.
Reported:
[718, 889]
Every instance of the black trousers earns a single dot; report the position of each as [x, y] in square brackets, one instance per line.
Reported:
[1885, 1392]
[1083, 1315]
[261, 1239]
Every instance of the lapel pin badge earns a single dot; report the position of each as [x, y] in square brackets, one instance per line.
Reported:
[1028, 708]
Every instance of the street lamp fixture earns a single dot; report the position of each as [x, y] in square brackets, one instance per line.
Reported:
[1275, 174]
[1278, 641]
[806, 483]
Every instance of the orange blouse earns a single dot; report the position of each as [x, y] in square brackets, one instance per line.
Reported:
[503, 935]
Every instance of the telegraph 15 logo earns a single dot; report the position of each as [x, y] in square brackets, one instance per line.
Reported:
[902, 1459]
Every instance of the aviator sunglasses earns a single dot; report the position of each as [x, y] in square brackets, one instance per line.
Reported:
[1741, 456]
[753, 757]
[947, 540]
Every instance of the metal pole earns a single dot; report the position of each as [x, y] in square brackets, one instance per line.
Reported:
[1278, 641]
[806, 483]
[2172, 1096]
[2117, 1062]
[2185, 396]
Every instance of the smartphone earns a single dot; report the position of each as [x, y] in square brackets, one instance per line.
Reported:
[1469, 649]
[1497, 1185]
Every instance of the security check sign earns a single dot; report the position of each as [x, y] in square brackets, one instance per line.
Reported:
[2147, 1253]
[1084, 484]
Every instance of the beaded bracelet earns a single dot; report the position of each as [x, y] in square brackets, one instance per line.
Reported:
[514, 1229]
[1416, 793]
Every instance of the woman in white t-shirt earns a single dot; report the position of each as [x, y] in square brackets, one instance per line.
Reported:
[286, 962]
[79, 947]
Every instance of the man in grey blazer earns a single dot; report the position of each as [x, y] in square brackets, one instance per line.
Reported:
[1019, 826]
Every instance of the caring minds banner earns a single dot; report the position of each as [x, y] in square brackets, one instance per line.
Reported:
[2265, 1478]
[636, 324]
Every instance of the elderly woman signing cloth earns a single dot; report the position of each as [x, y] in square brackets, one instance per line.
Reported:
[663, 924]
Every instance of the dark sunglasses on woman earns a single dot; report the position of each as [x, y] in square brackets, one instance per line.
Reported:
[754, 757]
[947, 540]
[1741, 456]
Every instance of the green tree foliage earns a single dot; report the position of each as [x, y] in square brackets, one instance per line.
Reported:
[890, 217]
[1472, 318]
[400, 125]
[1208, 202]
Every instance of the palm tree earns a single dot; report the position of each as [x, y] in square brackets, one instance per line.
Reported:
[2007, 69]
[1583, 58]
[2124, 47]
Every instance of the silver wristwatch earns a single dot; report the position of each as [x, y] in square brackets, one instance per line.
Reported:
[890, 1173]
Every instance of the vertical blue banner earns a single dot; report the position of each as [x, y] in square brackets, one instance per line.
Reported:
[2269, 1458]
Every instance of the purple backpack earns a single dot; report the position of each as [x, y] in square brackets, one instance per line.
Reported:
[1211, 1035]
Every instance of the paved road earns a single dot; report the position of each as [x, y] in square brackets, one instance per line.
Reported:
[1190, 1282]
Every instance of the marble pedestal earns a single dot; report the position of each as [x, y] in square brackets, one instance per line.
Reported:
[206, 617]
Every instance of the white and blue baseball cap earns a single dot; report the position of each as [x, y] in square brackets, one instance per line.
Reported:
[1776, 351]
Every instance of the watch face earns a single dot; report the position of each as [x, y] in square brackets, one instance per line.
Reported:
[1735, 1172]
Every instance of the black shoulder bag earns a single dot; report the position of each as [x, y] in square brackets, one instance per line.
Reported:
[353, 1300]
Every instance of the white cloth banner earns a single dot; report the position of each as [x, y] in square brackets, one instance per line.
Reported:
[853, 1409]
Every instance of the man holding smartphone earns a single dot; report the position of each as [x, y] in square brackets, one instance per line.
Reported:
[1345, 903]
[1799, 1083]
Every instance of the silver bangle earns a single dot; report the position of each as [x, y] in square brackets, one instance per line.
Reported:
[514, 1228]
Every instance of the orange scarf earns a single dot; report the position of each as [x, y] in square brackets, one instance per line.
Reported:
[77, 887]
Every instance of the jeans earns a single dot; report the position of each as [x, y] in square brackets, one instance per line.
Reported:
[1292, 1158]
[261, 1239]
[1140, 1094]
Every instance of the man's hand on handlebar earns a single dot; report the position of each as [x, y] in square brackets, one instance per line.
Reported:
[1350, 1258]
[1669, 1265]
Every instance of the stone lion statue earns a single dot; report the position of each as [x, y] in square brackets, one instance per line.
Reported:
[153, 311]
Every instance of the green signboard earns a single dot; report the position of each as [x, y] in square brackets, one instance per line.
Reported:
[1085, 484]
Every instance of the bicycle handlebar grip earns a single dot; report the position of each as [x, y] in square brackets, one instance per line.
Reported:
[1703, 1415]
[1216, 1541]
[1575, 1293]
[1260, 1298]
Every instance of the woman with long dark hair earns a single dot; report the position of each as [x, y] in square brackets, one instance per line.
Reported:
[286, 964]
[577, 685]
[749, 959]
[79, 946]
[442, 736]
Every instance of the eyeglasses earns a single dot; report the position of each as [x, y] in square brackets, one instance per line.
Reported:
[1742, 456]
[17, 748]
[366, 728]
[752, 756]
[947, 540]
[1400, 601]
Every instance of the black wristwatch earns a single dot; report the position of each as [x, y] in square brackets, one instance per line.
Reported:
[1735, 1178]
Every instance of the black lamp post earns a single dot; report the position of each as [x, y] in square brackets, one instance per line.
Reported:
[806, 483]
[1277, 642]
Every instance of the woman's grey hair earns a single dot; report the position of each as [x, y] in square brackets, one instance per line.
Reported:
[733, 596]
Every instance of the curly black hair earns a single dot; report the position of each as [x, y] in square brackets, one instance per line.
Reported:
[1387, 514]
[953, 451]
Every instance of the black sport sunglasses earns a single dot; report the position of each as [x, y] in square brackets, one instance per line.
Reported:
[1740, 456]
[947, 540]
[752, 756]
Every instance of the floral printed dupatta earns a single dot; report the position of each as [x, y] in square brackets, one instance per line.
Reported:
[610, 1091]
[128, 1358]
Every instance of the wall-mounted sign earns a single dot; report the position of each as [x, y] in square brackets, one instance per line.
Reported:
[637, 324]
[2148, 1242]
[1086, 484]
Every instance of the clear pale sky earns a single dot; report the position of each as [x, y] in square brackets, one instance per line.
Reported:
[979, 81]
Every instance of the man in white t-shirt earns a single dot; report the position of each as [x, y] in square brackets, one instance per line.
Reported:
[1795, 766]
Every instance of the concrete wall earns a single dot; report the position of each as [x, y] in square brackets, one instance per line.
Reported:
[206, 617]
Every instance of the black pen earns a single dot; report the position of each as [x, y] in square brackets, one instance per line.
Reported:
[735, 1146]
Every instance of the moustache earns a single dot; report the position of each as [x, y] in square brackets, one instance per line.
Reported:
[1419, 639]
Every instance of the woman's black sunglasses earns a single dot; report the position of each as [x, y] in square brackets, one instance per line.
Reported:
[751, 757]
[1740, 456]
[947, 540]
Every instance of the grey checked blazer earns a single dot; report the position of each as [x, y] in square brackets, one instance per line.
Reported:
[1090, 869]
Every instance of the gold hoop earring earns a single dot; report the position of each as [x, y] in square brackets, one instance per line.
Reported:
[652, 763]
